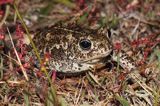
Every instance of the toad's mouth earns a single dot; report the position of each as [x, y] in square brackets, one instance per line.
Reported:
[96, 59]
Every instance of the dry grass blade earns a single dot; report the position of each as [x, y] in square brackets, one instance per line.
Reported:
[94, 78]
[21, 66]
[5, 16]
[142, 84]
[77, 95]
[1, 68]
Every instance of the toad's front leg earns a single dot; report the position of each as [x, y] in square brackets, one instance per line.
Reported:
[124, 60]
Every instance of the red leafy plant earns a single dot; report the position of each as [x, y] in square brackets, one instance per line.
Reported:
[146, 44]
[5, 1]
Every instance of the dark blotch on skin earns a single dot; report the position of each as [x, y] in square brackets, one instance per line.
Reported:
[79, 65]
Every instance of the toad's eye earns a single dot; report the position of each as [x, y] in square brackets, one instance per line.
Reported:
[85, 44]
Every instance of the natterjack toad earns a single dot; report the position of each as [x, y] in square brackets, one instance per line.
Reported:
[74, 49]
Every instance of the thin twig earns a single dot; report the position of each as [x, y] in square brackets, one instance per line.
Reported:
[19, 61]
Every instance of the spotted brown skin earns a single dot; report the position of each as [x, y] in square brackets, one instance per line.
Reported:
[74, 49]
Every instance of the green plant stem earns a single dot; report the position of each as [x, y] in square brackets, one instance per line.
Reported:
[28, 34]
[37, 54]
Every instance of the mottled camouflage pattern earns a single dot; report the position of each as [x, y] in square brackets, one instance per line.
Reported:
[66, 54]
[62, 42]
